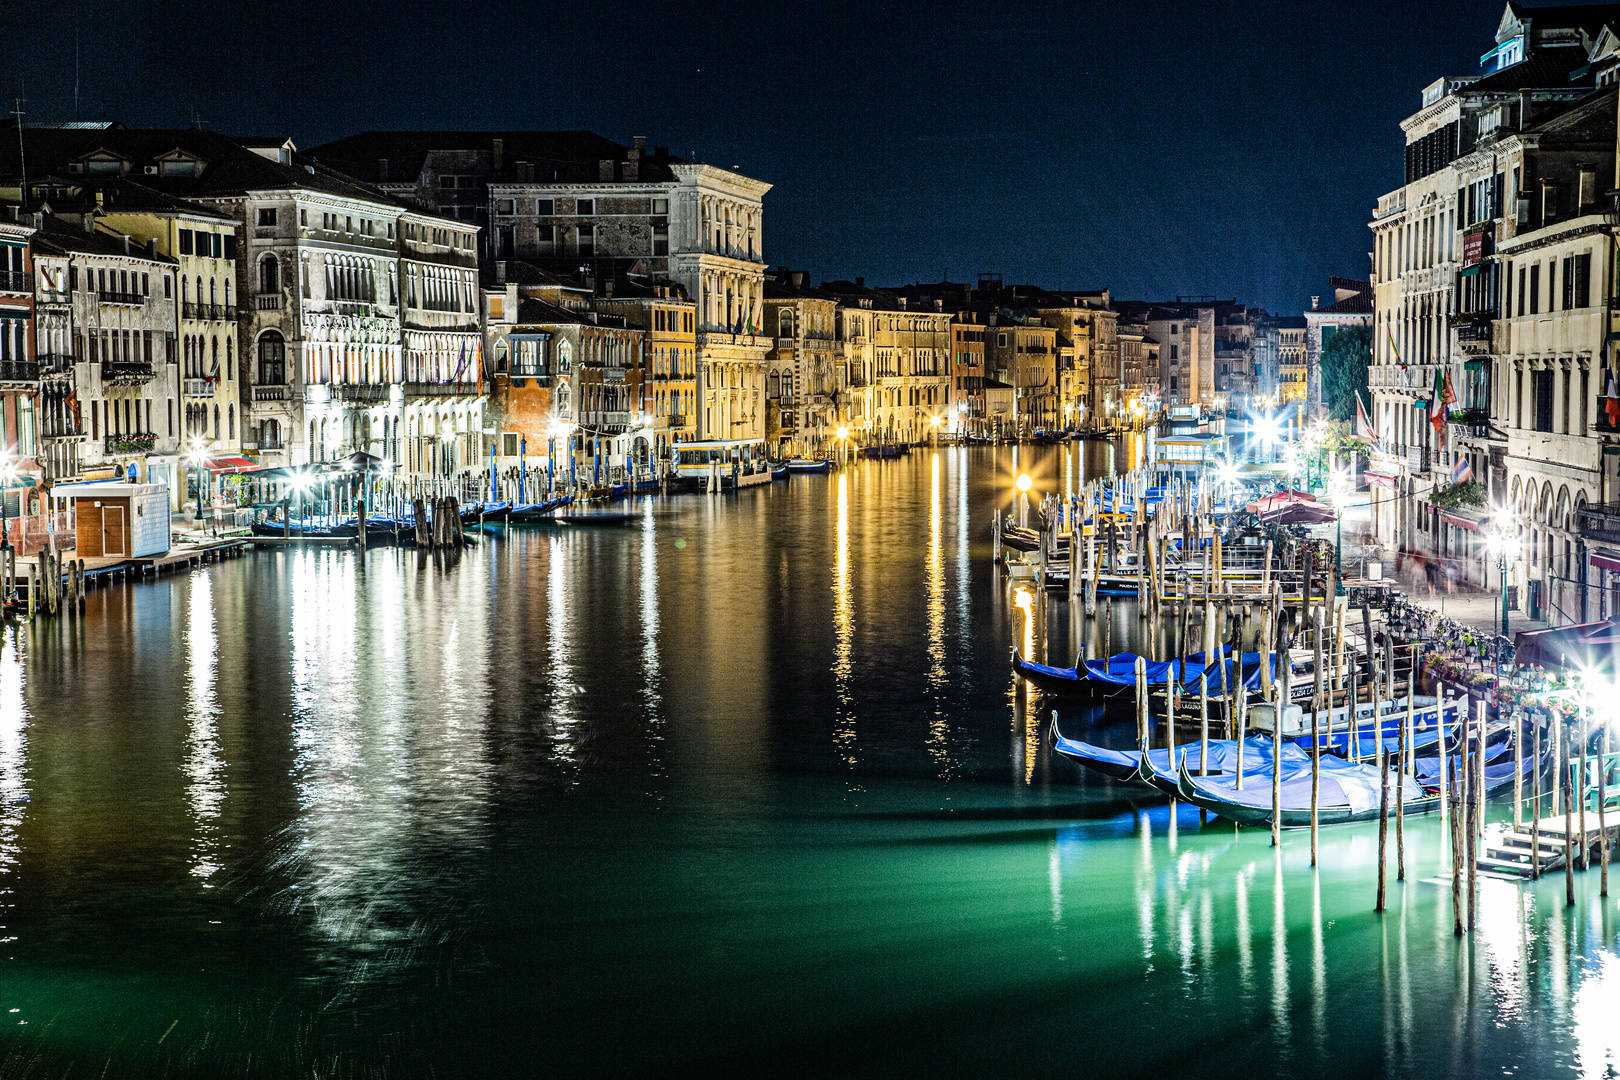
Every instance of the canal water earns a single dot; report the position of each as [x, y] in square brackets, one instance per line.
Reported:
[744, 787]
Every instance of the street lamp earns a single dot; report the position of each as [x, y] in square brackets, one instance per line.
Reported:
[1502, 542]
[195, 455]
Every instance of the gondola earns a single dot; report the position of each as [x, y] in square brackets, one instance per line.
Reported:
[1020, 539]
[1128, 764]
[1347, 793]
[779, 472]
[805, 465]
[1117, 674]
[484, 513]
[535, 513]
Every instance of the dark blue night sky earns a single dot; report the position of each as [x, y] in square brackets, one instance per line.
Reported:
[1152, 148]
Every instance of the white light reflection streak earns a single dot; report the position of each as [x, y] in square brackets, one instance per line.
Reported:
[649, 620]
[1245, 956]
[1592, 1018]
[1319, 963]
[559, 636]
[1144, 887]
[938, 728]
[1279, 956]
[204, 763]
[13, 750]
[843, 629]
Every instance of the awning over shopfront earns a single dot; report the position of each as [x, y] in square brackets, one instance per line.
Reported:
[1383, 480]
[1458, 520]
[231, 464]
[1605, 561]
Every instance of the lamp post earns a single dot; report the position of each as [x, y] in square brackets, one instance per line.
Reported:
[195, 455]
[1502, 542]
[1023, 485]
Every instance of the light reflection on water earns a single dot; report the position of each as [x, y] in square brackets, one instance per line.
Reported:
[591, 798]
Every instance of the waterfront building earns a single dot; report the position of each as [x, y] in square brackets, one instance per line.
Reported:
[800, 377]
[574, 385]
[19, 371]
[1291, 383]
[967, 404]
[202, 241]
[565, 200]
[907, 359]
[1352, 305]
[1022, 352]
[1186, 337]
[668, 325]
[1501, 176]
[126, 377]
[852, 329]
[58, 413]
[443, 392]
[1087, 333]
[319, 336]
[1138, 369]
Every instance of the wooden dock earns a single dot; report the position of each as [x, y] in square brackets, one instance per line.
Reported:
[1511, 855]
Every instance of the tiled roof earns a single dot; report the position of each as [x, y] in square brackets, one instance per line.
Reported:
[62, 237]
[555, 155]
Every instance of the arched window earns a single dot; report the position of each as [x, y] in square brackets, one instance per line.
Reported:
[230, 356]
[562, 399]
[787, 386]
[269, 275]
[227, 292]
[272, 359]
[216, 421]
[565, 355]
[213, 291]
[786, 319]
[213, 366]
[773, 385]
[185, 289]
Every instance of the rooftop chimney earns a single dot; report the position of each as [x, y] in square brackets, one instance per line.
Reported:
[797, 277]
[1315, 300]
[497, 151]
[123, 239]
[382, 170]
[640, 142]
[151, 248]
[632, 165]
[604, 169]
[500, 271]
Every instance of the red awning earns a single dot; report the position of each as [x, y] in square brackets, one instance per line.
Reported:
[1458, 520]
[1381, 480]
[232, 464]
[1606, 562]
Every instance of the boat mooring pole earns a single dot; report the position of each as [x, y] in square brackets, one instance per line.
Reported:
[1535, 795]
[1278, 715]
[1383, 826]
[1603, 829]
[1316, 737]
[1569, 840]
[1440, 721]
[1203, 689]
[1403, 746]
[1456, 873]
[1517, 734]
[1141, 705]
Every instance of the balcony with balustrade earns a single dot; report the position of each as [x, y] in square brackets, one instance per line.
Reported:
[1599, 523]
[55, 365]
[272, 392]
[442, 389]
[127, 374]
[16, 281]
[18, 371]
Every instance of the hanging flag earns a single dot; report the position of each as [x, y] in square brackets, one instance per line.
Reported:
[1395, 348]
[1364, 426]
[1437, 401]
[1611, 407]
[1462, 472]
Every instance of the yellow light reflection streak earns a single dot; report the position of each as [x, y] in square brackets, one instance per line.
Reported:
[843, 628]
[938, 729]
[205, 765]
[1024, 601]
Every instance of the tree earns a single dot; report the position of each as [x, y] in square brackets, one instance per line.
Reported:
[1345, 358]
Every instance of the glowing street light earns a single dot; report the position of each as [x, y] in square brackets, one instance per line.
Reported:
[1503, 544]
[1024, 483]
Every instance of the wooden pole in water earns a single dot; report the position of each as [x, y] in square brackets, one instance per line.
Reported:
[1375, 677]
[1603, 830]
[1220, 575]
[1339, 666]
[1535, 794]
[1555, 746]
[1316, 738]
[1141, 705]
[1221, 673]
[1280, 710]
[1474, 747]
[1440, 721]
[1517, 734]
[1403, 746]
[1580, 792]
[1383, 826]
[1108, 629]
[1569, 840]
[1203, 688]
[1456, 876]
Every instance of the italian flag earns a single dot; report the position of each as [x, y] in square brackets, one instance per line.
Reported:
[1439, 398]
